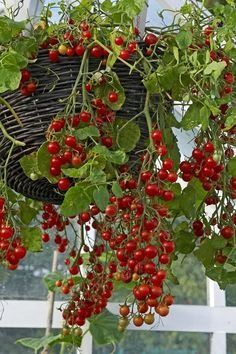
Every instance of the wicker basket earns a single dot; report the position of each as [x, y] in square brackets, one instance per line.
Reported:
[36, 112]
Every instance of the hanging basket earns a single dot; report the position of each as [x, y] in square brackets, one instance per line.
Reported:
[55, 82]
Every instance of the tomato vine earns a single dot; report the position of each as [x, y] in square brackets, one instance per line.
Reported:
[146, 202]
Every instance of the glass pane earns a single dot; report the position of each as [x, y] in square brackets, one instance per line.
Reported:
[154, 342]
[231, 295]
[15, 284]
[192, 287]
[231, 343]
[8, 337]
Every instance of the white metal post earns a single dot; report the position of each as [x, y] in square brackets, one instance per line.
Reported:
[216, 298]
[87, 342]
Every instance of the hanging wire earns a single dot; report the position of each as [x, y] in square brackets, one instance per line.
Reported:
[18, 8]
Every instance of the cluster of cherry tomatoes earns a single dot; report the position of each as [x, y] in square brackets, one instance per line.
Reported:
[28, 86]
[12, 251]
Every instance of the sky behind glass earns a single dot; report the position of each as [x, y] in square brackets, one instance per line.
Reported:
[156, 6]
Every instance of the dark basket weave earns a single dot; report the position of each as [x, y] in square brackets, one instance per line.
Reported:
[36, 112]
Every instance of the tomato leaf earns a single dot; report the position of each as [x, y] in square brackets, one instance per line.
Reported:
[231, 167]
[116, 190]
[26, 213]
[97, 176]
[152, 84]
[101, 197]
[86, 132]
[44, 163]
[31, 238]
[184, 39]
[103, 328]
[230, 121]
[191, 119]
[215, 69]
[39, 343]
[10, 77]
[29, 164]
[128, 134]
[112, 84]
[204, 117]
[50, 279]
[205, 253]
[9, 29]
[77, 199]
[118, 157]
[172, 145]
[222, 276]
[184, 241]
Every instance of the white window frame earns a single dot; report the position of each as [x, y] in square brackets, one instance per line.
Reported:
[215, 318]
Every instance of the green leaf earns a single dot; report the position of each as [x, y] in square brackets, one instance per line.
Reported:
[215, 69]
[29, 164]
[205, 253]
[74, 340]
[184, 39]
[101, 197]
[10, 77]
[12, 197]
[111, 60]
[128, 135]
[152, 84]
[91, 170]
[116, 49]
[191, 118]
[86, 132]
[9, 29]
[97, 176]
[176, 54]
[25, 46]
[171, 121]
[204, 117]
[104, 328]
[230, 121]
[112, 84]
[172, 146]
[167, 76]
[186, 9]
[81, 172]
[50, 279]
[31, 238]
[26, 213]
[77, 199]
[218, 242]
[14, 58]
[106, 5]
[184, 242]
[187, 202]
[118, 157]
[33, 343]
[231, 167]
[116, 190]
[199, 191]
[172, 277]
[221, 276]
[39, 343]
[44, 163]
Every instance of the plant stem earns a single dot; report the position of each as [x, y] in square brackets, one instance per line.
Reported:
[148, 119]
[122, 60]
[5, 103]
[51, 300]
[9, 137]
[63, 347]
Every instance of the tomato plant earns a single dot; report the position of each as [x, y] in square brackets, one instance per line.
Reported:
[147, 202]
